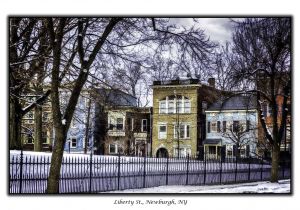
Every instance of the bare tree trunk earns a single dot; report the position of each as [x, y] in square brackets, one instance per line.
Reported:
[14, 125]
[38, 127]
[275, 162]
[62, 122]
[56, 160]
[87, 127]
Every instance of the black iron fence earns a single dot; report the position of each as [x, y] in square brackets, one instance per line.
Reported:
[93, 174]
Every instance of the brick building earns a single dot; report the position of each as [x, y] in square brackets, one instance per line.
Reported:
[179, 117]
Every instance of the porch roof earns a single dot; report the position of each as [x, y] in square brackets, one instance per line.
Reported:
[212, 141]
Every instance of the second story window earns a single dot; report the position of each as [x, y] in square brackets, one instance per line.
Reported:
[119, 123]
[213, 127]
[174, 104]
[162, 107]
[236, 126]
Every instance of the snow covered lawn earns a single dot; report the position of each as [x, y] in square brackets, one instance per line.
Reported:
[283, 186]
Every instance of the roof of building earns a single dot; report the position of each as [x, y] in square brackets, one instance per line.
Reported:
[114, 97]
[237, 102]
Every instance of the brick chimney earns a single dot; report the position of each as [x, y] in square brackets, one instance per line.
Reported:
[211, 81]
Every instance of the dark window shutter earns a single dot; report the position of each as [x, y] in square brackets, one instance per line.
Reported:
[224, 126]
[219, 126]
[208, 127]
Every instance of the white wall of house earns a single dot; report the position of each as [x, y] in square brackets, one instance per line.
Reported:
[229, 116]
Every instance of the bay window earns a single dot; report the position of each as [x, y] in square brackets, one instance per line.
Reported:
[174, 104]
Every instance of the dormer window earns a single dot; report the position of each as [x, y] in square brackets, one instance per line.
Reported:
[174, 104]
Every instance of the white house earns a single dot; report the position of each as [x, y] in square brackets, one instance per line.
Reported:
[231, 123]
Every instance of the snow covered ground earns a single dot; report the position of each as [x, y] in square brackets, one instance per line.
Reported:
[283, 186]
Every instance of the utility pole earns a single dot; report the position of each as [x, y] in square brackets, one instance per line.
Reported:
[177, 123]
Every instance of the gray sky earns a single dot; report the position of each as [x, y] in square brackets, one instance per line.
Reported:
[218, 29]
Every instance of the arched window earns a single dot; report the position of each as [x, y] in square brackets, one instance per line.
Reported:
[174, 104]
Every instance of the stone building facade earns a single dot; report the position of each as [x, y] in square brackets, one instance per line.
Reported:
[179, 117]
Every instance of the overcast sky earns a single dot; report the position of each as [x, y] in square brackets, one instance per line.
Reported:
[218, 29]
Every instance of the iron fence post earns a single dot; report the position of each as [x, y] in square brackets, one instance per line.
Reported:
[187, 170]
[91, 164]
[249, 168]
[235, 173]
[119, 170]
[144, 175]
[167, 173]
[21, 170]
[220, 170]
[261, 169]
[204, 175]
[283, 164]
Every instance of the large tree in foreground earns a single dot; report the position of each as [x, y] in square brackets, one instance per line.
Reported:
[112, 42]
[262, 48]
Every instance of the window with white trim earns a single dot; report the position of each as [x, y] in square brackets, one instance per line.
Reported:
[229, 151]
[213, 127]
[73, 142]
[174, 104]
[113, 149]
[119, 123]
[184, 131]
[162, 131]
[162, 107]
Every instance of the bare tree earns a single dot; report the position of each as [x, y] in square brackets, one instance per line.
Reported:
[26, 59]
[86, 56]
[262, 48]
[242, 136]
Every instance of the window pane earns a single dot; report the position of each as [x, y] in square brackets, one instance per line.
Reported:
[162, 106]
[162, 128]
[74, 142]
[162, 131]
[181, 131]
[187, 106]
[213, 127]
[119, 123]
[171, 107]
[179, 106]
[187, 131]
[112, 148]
